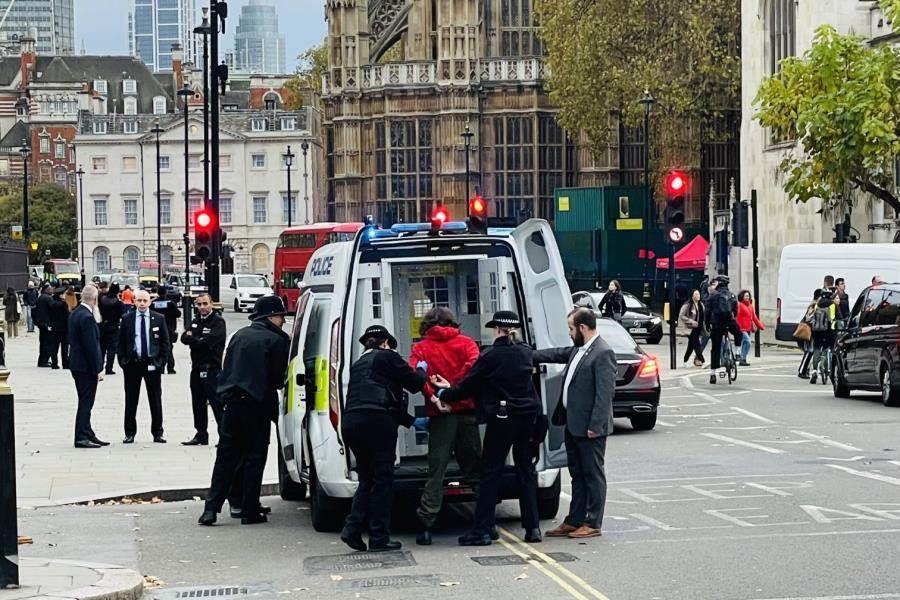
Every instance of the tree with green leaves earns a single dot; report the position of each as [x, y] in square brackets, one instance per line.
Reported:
[311, 67]
[839, 103]
[51, 217]
[604, 54]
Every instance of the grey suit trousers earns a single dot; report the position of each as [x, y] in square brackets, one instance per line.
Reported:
[586, 459]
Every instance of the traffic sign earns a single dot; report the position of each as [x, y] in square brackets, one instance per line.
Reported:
[676, 235]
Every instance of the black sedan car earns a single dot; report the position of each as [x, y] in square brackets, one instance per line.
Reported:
[637, 381]
[638, 319]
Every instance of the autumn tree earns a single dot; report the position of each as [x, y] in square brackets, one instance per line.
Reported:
[312, 65]
[604, 55]
[51, 218]
[839, 102]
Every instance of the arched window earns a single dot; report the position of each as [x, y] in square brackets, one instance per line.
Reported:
[132, 259]
[781, 22]
[101, 259]
[260, 259]
[165, 255]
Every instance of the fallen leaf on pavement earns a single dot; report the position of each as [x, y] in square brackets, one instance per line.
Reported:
[336, 577]
[152, 582]
[521, 576]
[449, 583]
[25, 539]
[156, 500]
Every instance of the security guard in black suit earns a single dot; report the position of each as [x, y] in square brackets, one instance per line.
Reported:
[255, 369]
[206, 339]
[167, 305]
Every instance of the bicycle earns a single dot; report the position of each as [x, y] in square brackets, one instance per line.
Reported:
[823, 365]
[729, 361]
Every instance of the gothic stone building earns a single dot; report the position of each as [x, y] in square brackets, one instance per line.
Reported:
[407, 77]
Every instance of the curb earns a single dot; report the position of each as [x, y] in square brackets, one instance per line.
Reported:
[164, 494]
[115, 583]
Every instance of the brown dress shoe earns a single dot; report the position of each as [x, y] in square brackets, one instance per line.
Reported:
[585, 531]
[562, 531]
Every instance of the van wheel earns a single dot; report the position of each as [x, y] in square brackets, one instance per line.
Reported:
[237, 307]
[324, 512]
[288, 489]
[889, 393]
[548, 500]
[643, 422]
[840, 387]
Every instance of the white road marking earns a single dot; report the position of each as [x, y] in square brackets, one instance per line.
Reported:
[686, 382]
[766, 476]
[825, 440]
[669, 540]
[854, 459]
[731, 440]
[702, 415]
[854, 597]
[894, 462]
[771, 391]
[867, 474]
[708, 397]
[664, 423]
[751, 428]
[753, 415]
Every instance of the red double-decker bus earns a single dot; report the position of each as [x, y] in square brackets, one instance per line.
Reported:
[296, 246]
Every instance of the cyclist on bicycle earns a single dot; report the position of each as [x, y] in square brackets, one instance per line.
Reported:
[822, 324]
[721, 320]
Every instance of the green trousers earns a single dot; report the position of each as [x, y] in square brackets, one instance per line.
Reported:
[447, 435]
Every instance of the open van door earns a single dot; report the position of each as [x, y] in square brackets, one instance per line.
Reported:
[548, 303]
[294, 398]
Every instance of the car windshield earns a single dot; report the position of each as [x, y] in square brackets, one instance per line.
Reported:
[252, 281]
[631, 301]
[124, 280]
[66, 268]
[615, 335]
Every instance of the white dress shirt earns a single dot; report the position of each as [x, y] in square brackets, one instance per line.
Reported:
[137, 331]
[570, 374]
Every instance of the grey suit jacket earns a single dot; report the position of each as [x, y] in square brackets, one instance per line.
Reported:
[590, 402]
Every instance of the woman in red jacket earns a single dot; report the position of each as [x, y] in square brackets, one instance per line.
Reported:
[453, 428]
[747, 321]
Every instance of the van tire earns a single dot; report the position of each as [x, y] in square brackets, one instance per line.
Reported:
[324, 512]
[548, 500]
[237, 307]
[890, 395]
[841, 389]
[288, 489]
[643, 422]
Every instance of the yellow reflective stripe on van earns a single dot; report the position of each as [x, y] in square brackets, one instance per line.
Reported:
[289, 388]
[321, 384]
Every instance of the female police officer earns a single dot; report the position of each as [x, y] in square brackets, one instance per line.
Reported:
[507, 402]
[375, 407]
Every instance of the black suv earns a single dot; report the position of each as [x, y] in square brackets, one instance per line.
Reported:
[867, 352]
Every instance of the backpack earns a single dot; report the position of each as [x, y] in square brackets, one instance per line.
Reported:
[820, 319]
[721, 309]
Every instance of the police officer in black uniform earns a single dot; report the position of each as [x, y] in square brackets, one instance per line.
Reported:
[375, 407]
[111, 311]
[167, 305]
[255, 368]
[502, 383]
[206, 339]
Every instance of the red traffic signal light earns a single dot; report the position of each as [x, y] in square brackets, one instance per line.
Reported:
[439, 216]
[676, 183]
[204, 226]
[477, 207]
[203, 219]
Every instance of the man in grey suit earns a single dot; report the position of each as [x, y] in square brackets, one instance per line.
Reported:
[586, 409]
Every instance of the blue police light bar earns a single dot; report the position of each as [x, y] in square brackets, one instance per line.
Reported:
[452, 227]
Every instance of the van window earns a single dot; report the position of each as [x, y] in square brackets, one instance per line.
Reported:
[536, 251]
[317, 326]
[889, 313]
[298, 323]
[870, 309]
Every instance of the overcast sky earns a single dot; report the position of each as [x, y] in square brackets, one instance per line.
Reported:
[103, 25]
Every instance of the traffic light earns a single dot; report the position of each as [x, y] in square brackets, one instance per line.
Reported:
[439, 216]
[740, 219]
[204, 227]
[478, 215]
[677, 185]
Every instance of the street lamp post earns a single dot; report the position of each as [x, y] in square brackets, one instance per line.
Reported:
[288, 163]
[25, 151]
[204, 29]
[648, 101]
[185, 93]
[80, 173]
[305, 147]
[467, 135]
[157, 130]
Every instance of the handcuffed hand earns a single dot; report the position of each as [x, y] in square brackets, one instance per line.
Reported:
[422, 366]
[439, 382]
[440, 405]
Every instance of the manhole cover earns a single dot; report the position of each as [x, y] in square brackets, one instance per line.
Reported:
[214, 591]
[504, 561]
[390, 581]
[358, 561]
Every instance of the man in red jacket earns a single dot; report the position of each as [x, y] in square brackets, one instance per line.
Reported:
[453, 428]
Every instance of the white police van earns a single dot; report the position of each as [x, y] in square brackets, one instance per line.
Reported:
[392, 278]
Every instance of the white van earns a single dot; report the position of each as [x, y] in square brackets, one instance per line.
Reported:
[804, 266]
[242, 290]
[393, 277]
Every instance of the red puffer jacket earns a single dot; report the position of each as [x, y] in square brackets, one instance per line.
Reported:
[747, 319]
[449, 354]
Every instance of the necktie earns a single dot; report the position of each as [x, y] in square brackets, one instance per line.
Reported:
[144, 350]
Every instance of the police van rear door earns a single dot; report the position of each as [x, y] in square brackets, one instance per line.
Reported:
[547, 305]
[294, 398]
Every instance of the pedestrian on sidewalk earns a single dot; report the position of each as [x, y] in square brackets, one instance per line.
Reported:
[585, 409]
[453, 430]
[254, 371]
[206, 339]
[612, 305]
[144, 348]
[12, 312]
[707, 289]
[29, 301]
[128, 298]
[842, 300]
[59, 326]
[748, 322]
[166, 304]
[502, 382]
[86, 365]
[111, 311]
[41, 317]
[376, 406]
[693, 319]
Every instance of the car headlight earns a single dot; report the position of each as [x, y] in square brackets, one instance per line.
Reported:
[656, 320]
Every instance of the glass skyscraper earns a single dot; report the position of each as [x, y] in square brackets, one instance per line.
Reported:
[154, 25]
[258, 46]
[50, 22]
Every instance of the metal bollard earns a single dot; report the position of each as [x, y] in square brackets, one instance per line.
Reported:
[9, 547]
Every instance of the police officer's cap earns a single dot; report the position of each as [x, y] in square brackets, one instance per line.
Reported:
[379, 332]
[506, 319]
[268, 306]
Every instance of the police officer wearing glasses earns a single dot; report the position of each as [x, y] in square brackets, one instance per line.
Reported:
[375, 407]
[206, 339]
[502, 383]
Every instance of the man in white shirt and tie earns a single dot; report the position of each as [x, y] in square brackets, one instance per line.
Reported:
[144, 348]
[585, 408]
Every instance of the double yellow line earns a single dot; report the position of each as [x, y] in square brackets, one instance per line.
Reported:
[574, 585]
